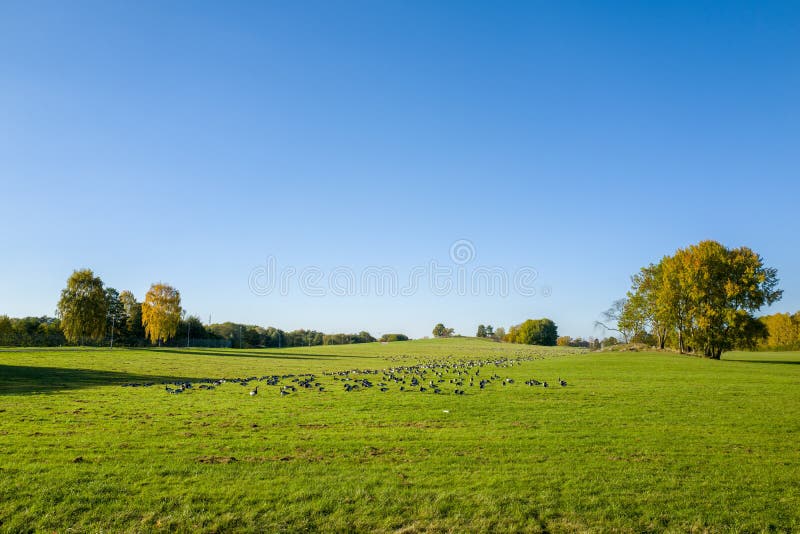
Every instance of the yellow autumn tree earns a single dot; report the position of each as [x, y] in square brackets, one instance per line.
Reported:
[704, 296]
[783, 330]
[161, 312]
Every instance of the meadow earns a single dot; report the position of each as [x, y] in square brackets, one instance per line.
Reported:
[634, 442]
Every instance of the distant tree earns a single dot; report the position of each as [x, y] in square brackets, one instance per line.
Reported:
[648, 310]
[49, 332]
[511, 336]
[609, 342]
[161, 312]
[83, 308]
[31, 331]
[386, 338]
[250, 336]
[335, 339]
[544, 333]
[347, 339]
[128, 302]
[564, 341]
[25, 331]
[116, 312]
[365, 337]
[481, 331]
[783, 331]
[611, 318]
[274, 337]
[312, 338]
[116, 308]
[133, 330]
[301, 338]
[190, 331]
[534, 332]
[500, 333]
[441, 331]
[489, 331]
[6, 331]
[580, 342]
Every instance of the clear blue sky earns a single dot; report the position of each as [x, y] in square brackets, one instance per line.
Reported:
[187, 142]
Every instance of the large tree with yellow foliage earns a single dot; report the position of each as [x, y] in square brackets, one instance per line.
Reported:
[703, 297]
[161, 312]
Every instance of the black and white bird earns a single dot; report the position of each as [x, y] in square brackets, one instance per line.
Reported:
[254, 392]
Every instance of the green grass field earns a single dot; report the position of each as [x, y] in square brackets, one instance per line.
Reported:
[634, 442]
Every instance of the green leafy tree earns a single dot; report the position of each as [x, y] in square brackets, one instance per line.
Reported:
[481, 331]
[133, 330]
[365, 337]
[500, 333]
[440, 330]
[116, 312]
[645, 314]
[83, 308]
[388, 338]
[31, 331]
[6, 331]
[116, 308]
[535, 332]
[609, 342]
[190, 330]
[347, 339]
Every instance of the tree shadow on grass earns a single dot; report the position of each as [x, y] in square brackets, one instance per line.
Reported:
[787, 362]
[273, 355]
[19, 379]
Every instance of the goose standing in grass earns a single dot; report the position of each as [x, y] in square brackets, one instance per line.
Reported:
[254, 392]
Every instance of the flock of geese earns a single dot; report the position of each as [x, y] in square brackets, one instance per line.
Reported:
[439, 377]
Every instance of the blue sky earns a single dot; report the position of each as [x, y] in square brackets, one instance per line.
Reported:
[188, 142]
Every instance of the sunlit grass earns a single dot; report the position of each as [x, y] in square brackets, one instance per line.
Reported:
[635, 442]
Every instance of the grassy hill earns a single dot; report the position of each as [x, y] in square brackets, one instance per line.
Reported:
[634, 442]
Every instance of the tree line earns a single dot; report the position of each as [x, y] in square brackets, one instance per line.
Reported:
[31, 332]
[530, 332]
[701, 300]
[783, 332]
[90, 313]
[252, 336]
